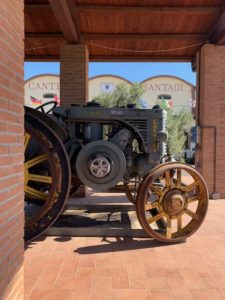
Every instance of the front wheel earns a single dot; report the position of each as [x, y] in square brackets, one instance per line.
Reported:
[181, 201]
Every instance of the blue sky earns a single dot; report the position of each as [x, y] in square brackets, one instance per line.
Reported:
[131, 71]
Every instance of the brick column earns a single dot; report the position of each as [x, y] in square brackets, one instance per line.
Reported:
[11, 149]
[74, 81]
[210, 156]
[73, 74]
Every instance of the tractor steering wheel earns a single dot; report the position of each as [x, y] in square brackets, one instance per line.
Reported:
[41, 107]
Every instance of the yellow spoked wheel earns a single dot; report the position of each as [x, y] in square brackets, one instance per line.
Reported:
[179, 196]
[33, 193]
[40, 167]
[46, 177]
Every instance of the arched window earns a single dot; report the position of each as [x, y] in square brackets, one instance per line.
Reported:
[164, 97]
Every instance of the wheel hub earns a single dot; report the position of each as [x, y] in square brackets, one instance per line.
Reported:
[100, 166]
[173, 203]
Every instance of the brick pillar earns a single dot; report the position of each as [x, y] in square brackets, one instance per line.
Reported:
[210, 156]
[74, 81]
[11, 149]
[73, 74]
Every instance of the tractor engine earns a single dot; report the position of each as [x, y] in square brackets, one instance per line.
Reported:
[109, 145]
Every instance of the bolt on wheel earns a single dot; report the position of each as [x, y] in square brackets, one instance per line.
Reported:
[179, 195]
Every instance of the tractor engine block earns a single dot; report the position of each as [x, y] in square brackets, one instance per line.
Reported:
[109, 145]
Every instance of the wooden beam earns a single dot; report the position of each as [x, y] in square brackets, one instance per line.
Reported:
[29, 7]
[203, 10]
[43, 35]
[147, 9]
[110, 36]
[139, 58]
[62, 10]
[38, 58]
[221, 41]
[127, 58]
[217, 34]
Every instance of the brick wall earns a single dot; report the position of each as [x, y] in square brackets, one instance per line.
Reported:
[74, 74]
[212, 117]
[11, 149]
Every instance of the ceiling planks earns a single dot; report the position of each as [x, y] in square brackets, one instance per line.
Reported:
[123, 30]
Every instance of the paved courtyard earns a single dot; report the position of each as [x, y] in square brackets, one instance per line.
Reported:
[81, 268]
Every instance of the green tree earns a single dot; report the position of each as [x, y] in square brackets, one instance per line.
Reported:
[105, 99]
[178, 126]
[136, 92]
[121, 96]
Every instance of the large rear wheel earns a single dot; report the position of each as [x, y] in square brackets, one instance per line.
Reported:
[46, 176]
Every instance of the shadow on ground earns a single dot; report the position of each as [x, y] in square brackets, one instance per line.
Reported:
[121, 244]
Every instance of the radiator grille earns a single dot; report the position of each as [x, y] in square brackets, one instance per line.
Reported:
[140, 126]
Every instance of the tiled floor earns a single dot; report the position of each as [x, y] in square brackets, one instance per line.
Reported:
[126, 268]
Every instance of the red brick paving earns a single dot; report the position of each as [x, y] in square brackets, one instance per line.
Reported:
[118, 269]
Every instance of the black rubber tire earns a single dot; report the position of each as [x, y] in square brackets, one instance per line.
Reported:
[106, 149]
[49, 218]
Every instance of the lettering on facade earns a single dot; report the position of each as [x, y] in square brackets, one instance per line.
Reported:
[43, 86]
[164, 87]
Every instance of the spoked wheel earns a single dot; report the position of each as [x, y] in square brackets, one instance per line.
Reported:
[46, 177]
[179, 195]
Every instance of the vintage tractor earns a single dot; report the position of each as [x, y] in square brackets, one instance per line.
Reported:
[104, 148]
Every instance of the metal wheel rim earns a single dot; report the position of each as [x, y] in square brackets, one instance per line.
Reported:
[100, 166]
[143, 204]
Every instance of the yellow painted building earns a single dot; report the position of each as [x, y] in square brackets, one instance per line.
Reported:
[40, 89]
[177, 92]
[105, 84]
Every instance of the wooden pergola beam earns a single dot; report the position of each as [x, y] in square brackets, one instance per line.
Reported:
[117, 58]
[43, 58]
[110, 36]
[150, 9]
[217, 34]
[30, 7]
[139, 58]
[62, 10]
[44, 35]
[153, 9]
